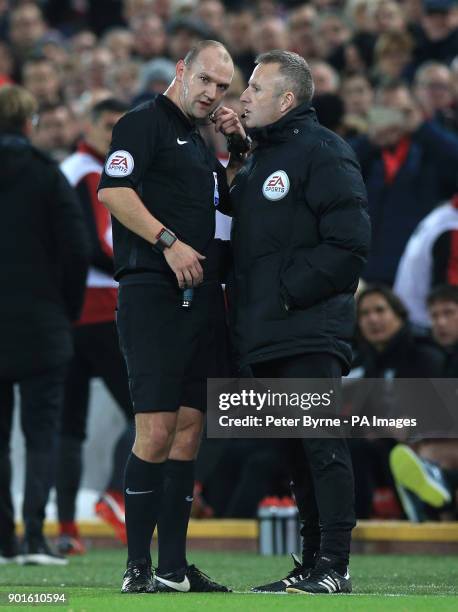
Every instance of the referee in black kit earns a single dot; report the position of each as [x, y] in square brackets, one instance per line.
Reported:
[162, 185]
[300, 238]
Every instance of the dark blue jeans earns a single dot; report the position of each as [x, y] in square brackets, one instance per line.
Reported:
[41, 403]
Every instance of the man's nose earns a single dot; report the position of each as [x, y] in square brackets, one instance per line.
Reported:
[210, 91]
[244, 96]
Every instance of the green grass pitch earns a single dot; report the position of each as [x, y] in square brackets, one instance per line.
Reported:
[383, 582]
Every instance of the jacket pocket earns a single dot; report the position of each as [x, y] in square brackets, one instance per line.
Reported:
[263, 288]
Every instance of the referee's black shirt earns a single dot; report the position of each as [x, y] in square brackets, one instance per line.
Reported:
[159, 153]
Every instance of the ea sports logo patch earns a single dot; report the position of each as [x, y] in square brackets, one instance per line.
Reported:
[276, 186]
[120, 163]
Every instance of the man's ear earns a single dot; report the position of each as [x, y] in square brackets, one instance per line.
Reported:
[180, 68]
[28, 127]
[288, 102]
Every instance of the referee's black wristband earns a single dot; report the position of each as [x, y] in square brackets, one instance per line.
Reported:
[238, 146]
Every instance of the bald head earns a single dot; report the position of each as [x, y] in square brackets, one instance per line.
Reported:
[219, 51]
[202, 79]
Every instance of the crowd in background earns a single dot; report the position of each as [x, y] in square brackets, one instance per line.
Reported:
[386, 78]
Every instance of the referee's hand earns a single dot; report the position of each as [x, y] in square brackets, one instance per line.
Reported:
[184, 261]
[228, 123]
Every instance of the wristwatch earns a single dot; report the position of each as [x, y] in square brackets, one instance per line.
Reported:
[165, 239]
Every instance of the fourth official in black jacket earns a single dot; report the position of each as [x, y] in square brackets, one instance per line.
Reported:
[300, 237]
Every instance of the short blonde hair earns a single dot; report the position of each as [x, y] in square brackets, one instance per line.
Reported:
[393, 42]
[16, 106]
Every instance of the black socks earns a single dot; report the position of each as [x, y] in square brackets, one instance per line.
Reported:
[143, 489]
[174, 516]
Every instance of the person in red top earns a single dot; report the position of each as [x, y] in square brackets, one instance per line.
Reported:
[97, 351]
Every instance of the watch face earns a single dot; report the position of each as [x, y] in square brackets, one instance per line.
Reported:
[167, 239]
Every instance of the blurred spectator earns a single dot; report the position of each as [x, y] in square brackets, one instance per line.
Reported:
[389, 17]
[26, 28]
[212, 14]
[434, 91]
[454, 72]
[87, 100]
[54, 47]
[6, 61]
[4, 8]
[270, 33]
[428, 479]
[184, 33]
[155, 77]
[302, 35]
[393, 56]
[239, 36]
[430, 259]
[443, 312]
[149, 39]
[95, 65]
[426, 486]
[123, 80]
[333, 32]
[41, 77]
[55, 130]
[120, 43]
[267, 8]
[408, 165]
[413, 10]
[386, 349]
[72, 79]
[357, 95]
[361, 14]
[386, 346]
[165, 8]
[356, 55]
[44, 251]
[437, 39]
[133, 9]
[83, 41]
[326, 79]
[97, 351]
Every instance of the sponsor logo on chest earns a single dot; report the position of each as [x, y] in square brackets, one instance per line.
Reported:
[276, 185]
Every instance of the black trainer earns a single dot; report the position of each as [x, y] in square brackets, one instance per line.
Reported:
[137, 577]
[37, 551]
[187, 580]
[201, 583]
[298, 573]
[322, 579]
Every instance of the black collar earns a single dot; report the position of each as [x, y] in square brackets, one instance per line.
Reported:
[15, 139]
[285, 128]
[171, 106]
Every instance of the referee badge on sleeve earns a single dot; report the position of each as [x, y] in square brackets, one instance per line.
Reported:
[120, 164]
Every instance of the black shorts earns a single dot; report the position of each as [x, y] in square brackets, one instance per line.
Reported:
[168, 349]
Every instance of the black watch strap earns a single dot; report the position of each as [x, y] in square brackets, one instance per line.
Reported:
[164, 240]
